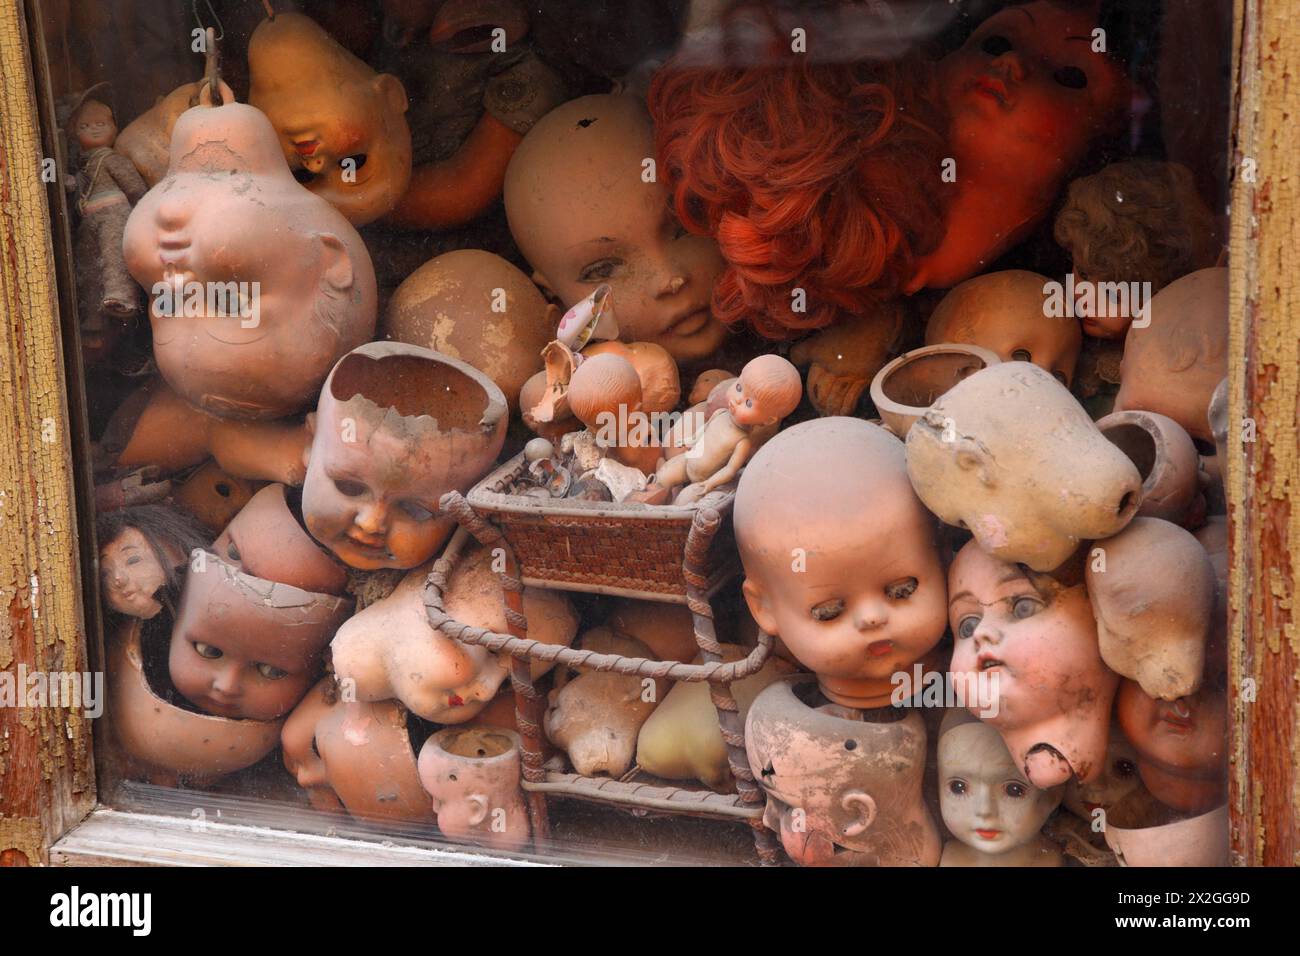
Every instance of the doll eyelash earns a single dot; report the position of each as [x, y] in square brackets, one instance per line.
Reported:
[828, 610]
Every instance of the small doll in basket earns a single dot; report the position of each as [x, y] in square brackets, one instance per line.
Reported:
[767, 391]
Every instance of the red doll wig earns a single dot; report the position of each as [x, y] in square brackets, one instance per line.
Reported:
[807, 173]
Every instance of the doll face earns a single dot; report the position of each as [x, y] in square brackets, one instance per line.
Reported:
[986, 801]
[584, 217]
[301, 755]
[1185, 737]
[1028, 92]
[749, 408]
[131, 575]
[1119, 777]
[94, 125]
[1108, 319]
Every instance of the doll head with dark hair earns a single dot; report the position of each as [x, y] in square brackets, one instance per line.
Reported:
[142, 556]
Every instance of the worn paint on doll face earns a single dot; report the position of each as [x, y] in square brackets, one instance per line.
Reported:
[131, 575]
[986, 801]
[94, 125]
[1184, 735]
[1026, 92]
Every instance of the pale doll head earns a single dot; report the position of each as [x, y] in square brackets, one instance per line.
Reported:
[769, 389]
[93, 125]
[258, 287]
[1006, 313]
[472, 776]
[1118, 778]
[1181, 745]
[341, 125]
[397, 427]
[586, 211]
[247, 648]
[986, 800]
[142, 556]
[840, 557]
[1035, 642]
[1136, 221]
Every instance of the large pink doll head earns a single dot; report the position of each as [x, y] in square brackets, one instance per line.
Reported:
[840, 557]
[257, 286]
[1037, 640]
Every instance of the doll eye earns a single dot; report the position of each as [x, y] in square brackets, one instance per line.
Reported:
[1124, 767]
[206, 651]
[271, 672]
[1024, 607]
[828, 610]
[901, 590]
[451, 777]
[1015, 790]
[350, 488]
[1071, 77]
[995, 45]
[415, 511]
[957, 787]
[599, 270]
[749, 403]
[134, 559]
[966, 626]
[1021, 355]
[232, 552]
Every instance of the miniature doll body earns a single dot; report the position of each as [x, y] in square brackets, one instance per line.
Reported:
[992, 810]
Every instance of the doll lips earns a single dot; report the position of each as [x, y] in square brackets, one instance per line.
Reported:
[455, 700]
[306, 147]
[690, 323]
[988, 834]
[991, 87]
[989, 663]
[880, 648]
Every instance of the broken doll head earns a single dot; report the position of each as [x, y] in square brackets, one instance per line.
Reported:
[257, 286]
[472, 774]
[1166, 459]
[397, 427]
[1032, 643]
[841, 561]
[840, 792]
[1011, 455]
[142, 556]
[1181, 745]
[586, 210]
[247, 648]
[267, 540]
[341, 125]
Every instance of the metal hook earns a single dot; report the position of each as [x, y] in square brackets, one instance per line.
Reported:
[216, 19]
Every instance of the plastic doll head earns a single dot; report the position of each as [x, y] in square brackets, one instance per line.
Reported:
[1010, 454]
[604, 385]
[840, 791]
[1004, 312]
[341, 125]
[1154, 596]
[1147, 836]
[247, 648]
[584, 216]
[904, 389]
[93, 125]
[1037, 640]
[1174, 365]
[369, 759]
[257, 285]
[472, 775]
[769, 389]
[986, 800]
[476, 307]
[1181, 745]
[840, 557]
[1118, 778]
[267, 541]
[142, 556]
[1027, 95]
[397, 427]
[1135, 221]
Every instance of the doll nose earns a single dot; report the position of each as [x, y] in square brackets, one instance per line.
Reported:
[985, 807]
[372, 518]
[226, 681]
[1010, 65]
[870, 616]
[674, 285]
[986, 633]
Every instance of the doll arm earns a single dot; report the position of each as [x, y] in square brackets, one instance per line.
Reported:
[739, 456]
[126, 176]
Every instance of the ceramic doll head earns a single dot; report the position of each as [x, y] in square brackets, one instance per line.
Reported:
[342, 126]
[257, 285]
[397, 427]
[1166, 458]
[1174, 365]
[1136, 221]
[1181, 745]
[988, 803]
[267, 540]
[1154, 595]
[476, 307]
[1005, 312]
[1118, 778]
[1010, 454]
[247, 648]
[299, 749]
[605, 395]
[840, 557]
[1035, 641]
[472, 774]
[840, 792]
[142, 556]
[583, 216]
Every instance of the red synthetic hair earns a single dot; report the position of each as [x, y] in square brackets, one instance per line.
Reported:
[810, 175]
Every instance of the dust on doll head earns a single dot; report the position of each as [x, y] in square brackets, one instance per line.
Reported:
[142, 556]
[93, 125]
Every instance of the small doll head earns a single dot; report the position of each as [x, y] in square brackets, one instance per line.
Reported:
[93, 125]
[397, 427]
[840, 557]
[986, 800]
[604, 385]
[341, 125]
[472, 775]
[585, 213]
[1181, 744]
[142, 556]
[1118, 778]
[769, 389]
[1136, 221]
[267, 540]
[1035, 641]
[1005, 313]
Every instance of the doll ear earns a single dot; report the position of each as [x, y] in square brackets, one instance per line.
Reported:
[311, 431]
[391, 89]
[864, 805]
[337, 262]
[971, 457]
[756, 598]
[480, 811]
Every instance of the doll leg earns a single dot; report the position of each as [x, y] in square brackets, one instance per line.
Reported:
[120, 294]
[672, 472]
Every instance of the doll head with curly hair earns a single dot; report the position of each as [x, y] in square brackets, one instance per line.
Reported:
[1135, 221]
